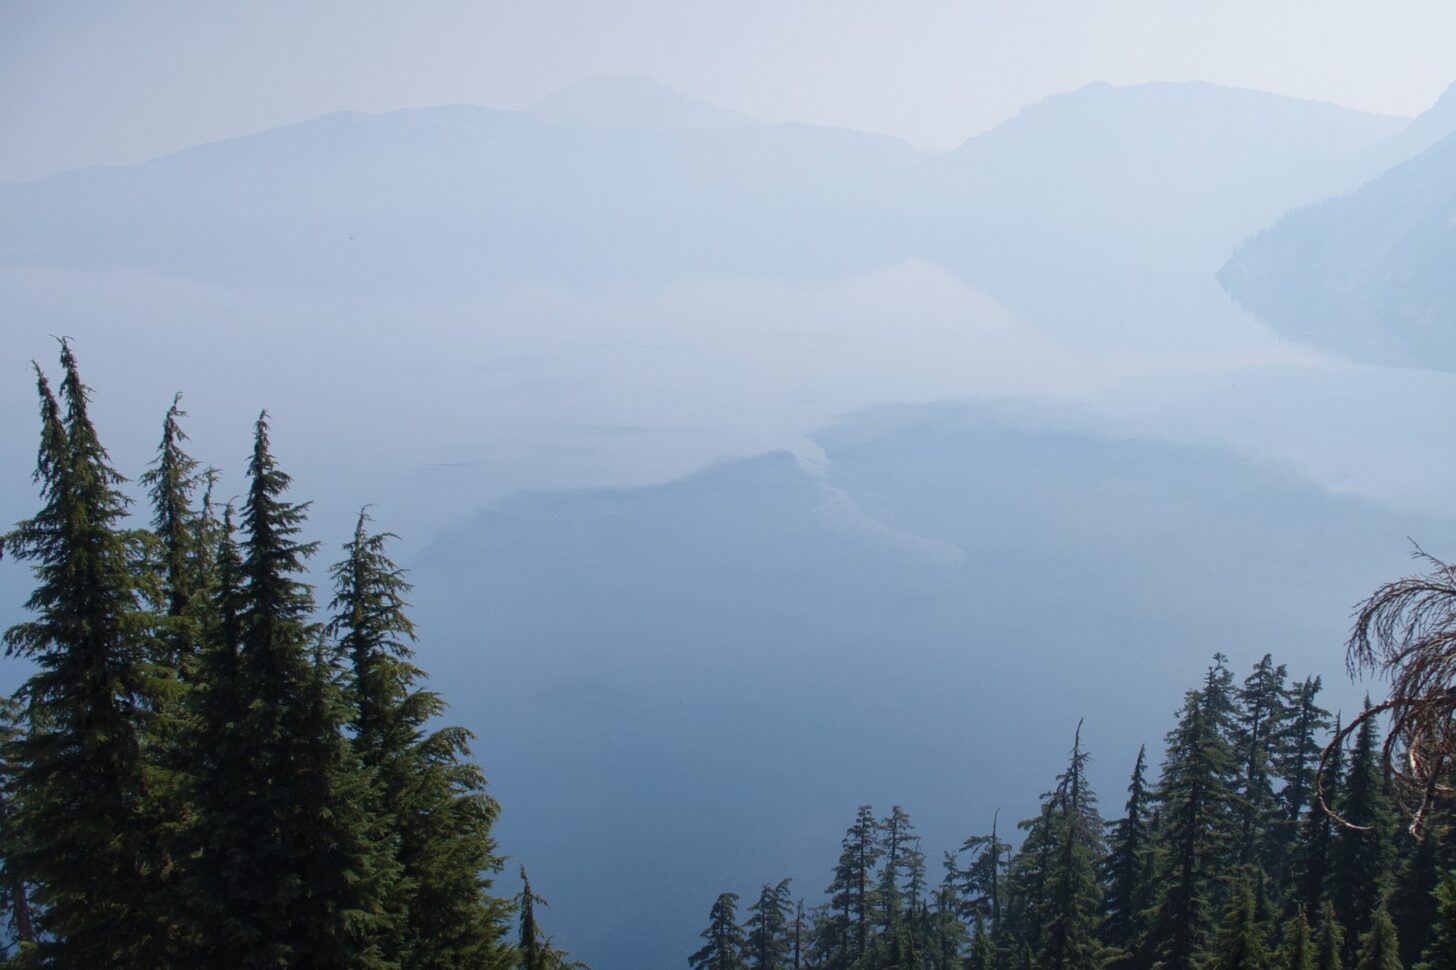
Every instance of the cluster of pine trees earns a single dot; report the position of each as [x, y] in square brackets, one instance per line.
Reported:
[203, 770]
[1225, 862]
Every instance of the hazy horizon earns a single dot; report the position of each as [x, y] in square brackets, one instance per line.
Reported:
[118, 83]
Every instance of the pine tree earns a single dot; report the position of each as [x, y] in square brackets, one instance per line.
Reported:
[534, 950]
[1259, 727]
[1329, 941]
[983, 954]
[1360, 861]
[902, 869]
[1073, 911]
[1296, 951]
[431, 795]
[853, 888]
[1441, 951]
[1239, 944]
[14, 892]
[1129, 877]
[768, 928]
[726, 949]
[1028, 876]
[1198, 802]
[532, 945]
[1295, 757]
[180, 535]
[1379, 949]
[293, 865]
[799, 935]
[980, 880]
[1311, 854]
[90, 829]
[948, 933]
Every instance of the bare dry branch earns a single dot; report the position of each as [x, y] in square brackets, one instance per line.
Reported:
[1406, 634]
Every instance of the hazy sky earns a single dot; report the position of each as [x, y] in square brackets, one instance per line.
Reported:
[93, 83]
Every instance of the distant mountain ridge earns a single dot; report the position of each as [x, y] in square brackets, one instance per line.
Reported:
[1371, 273]
[631, 101]
[620, 180]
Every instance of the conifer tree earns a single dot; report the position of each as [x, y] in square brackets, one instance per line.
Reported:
[1295, 757]
[768, 928]
[983, 954]
[1329, 940]
[14, 892]
[1258, 729]
[1441, 951]
[949, 933]
[1412, 902]
[1027, 880]
[1296, 950]
[798, 937]
[980, 879]
[854, 881]
[535, 950]
[170, 484]
[1311, 855]
[293, 866]
[1128, 866]
[900, 860]
[90, 828]
[1073, 909]
[1379, 949]
[1197, 799]
[532, 946]
[1239, 944]
[431, 795]
[725, 948]
[1360, 860]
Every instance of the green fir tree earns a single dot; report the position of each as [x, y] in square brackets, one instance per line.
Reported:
[725, 948]
[90, 830]
[1379, 949]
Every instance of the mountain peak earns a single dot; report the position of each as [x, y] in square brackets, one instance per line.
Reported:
[631, 101]
[1428, 127]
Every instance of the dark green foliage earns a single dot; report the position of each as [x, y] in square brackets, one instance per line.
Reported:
[768, 928]
[1129, 871]
[1073, 907]
[532, 946]
[15, 910]
[1239, 944]
[534, 950]
[725, 948]
[1412, 904]
[1296, 949]
[901, 882]
[1311, 856]
[190, 778]
[983, 954]
[980, 879]
[946, 934]
[182, 540]
[1259, 727]
[89, 828]
[1441, 951]
[1329, 946]
[852, 891]
[1295, 757]
[1198, 803]
[429, 793]
[1360, 861]
[1379, 949]
[295, 864]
